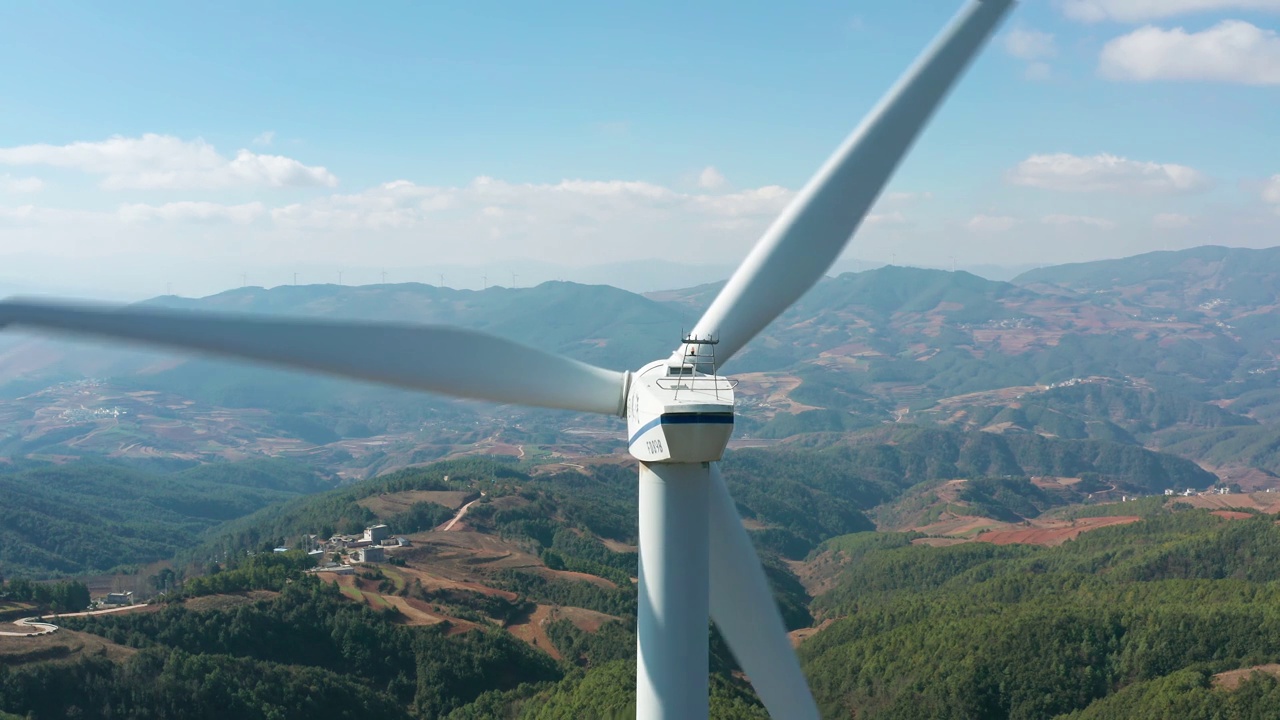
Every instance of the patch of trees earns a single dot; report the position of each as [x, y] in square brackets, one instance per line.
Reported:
[264, 571]
[95, 516]
[1108, 625]
[612, 641]
[1188, 695]
[619, 601]
[59, 597]
[309, 633]
[605, 692]
[177, 685]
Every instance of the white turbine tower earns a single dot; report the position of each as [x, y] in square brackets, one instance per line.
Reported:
[695, 556]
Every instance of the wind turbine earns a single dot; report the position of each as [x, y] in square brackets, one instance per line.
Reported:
[695, 557]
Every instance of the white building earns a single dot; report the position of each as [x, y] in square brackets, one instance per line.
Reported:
[371, 554]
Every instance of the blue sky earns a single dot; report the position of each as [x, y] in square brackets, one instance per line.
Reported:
[141, 140]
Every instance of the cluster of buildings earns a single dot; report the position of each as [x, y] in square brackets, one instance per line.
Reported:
[1211, 491]
[370, 547]
[84, 414]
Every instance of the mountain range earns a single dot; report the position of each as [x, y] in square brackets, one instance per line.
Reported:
[1189, 332]
[1048, 497]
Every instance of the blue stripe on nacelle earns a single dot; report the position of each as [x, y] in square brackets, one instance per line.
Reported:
[682, 419]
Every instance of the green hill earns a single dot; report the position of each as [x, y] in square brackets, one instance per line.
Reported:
[982, 631]
[93, 516]
[1100, 408]
[1220, 284]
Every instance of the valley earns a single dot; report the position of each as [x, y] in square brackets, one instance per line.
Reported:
[913, 449]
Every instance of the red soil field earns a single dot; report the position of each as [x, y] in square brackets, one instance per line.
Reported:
[1053, 534]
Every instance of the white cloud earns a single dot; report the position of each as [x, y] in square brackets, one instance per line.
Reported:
[1135, 11]
[892, 218]
[1171, 221]
[8, 183]
[166, 162]
[1233, 51]
[1105, 173]
[569, 204]
[1030, 44]
[1271, 192]
[710, 178]
[265, 138]
[1038, 71]
[990, 223]
[905, 197]
[1085, 220]
[188, 211]
[37, 215]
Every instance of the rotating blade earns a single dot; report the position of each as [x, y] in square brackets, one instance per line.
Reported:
[806, 239]
[452, 361]
[743, 607]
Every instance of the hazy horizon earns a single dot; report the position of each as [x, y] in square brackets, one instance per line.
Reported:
[449, 139]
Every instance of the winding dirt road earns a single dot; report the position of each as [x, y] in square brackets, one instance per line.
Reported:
[48, 628]
[461, 511]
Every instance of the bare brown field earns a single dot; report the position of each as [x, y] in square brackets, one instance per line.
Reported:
[533, 628]
[950, 490]
[1231, 679]
[962, 526]
[618, 547]
[1054, 532]
[388, 504]
[853, 349]
[466, 551]
[577, 576]
[418, 613]
[62, 645]
[819, 573]
[802, 634]
[228, 600]
[1268, 503]
[1017, 340]
[412, 611]
[1054, 483]
[939, 541]
[1232, 514]
[439, 581]
[1250, 480]
[505, 449]
[773, 390]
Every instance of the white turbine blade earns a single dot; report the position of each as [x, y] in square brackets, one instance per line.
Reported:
[445, 360]
[742, 606]
[810, 234]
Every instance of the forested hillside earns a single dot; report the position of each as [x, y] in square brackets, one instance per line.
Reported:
[1126, 621]
[996, 434]
[94, 515]
[1160, 618]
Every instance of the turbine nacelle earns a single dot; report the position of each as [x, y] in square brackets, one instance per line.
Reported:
[676, 413]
